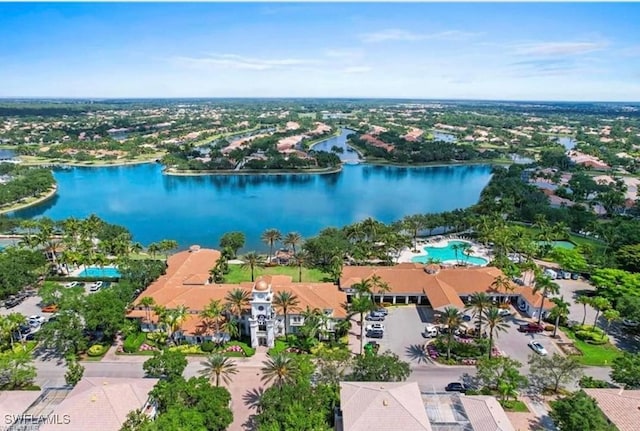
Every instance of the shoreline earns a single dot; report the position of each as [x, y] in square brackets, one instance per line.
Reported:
[90, 164]
[333, 135]
[41, 199]
[184, 173]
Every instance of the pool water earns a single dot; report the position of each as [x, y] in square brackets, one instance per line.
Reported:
[559, 244]
[106, 272]
[448, 254]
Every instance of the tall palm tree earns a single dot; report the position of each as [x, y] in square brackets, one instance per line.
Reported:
[236, 301]
[584, 300]
[599, 304]
[270, 237]
[560, 311]
[14, 322]
[361, 305]
[147, 302]
[379, 286]
[212, 315]
[153, 249]
[478, 302]
[251, 260]
[496, 324]
[300, 259]
[545, 286]
[502, 283]
[175, 318]
[217, 366]
[292, 239]
[414, 224]
[280, 369]
[610, 315]
[452, 319]
[285, 301]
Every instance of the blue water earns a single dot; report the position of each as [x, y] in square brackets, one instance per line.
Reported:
[340, 142]
[107, 272]
[445, 137]
[444, 254]
[199, 209]
[567, 141]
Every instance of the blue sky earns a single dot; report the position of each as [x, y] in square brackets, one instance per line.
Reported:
[541, 51]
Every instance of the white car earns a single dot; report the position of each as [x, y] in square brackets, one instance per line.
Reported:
[72, 284]
[630, 323]
[375, 327]
[538, 348]
[95, 286]
[504, 312]
[36, 320]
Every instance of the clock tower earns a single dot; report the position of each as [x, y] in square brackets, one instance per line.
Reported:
[262, 322]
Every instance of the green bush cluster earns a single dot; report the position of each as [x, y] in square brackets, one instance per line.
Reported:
[478, 348]
[97, 350]
[207, 346]
[591, 335]
[248, 351]
[133, 342]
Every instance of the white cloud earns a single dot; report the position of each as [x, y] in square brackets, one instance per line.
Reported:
[357, 69]
[408, 36]
[551, 49]
[232, 61]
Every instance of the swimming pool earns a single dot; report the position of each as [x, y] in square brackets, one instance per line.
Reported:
[448, 254]
[559, 244]
[106, 272]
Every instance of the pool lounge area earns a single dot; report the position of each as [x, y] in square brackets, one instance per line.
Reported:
[444, 251]
[96, 272]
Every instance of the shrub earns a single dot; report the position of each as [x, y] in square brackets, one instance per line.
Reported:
[207, 346]
[187, 349]
[590, 382]
[133, 342]
[592, 336]
[96, 350]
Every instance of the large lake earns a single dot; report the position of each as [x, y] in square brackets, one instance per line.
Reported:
[199, 209]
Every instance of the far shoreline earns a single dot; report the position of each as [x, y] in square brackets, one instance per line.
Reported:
[186, 173]
[41, 199]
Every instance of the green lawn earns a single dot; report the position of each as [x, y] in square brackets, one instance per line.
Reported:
[578, 240]
[514, 406]
[594, 355]
[238, 274]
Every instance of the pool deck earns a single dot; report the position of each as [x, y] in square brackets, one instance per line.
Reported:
[440, 241]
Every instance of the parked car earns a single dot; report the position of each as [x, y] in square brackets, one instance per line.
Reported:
[551, 273]
[375, 327]
[531, 328]
[72, 284]
[575, 276]
[504, 312]
[375, 317]
[630, 323]
[456, 387]
[36, 320]
[466, 318]
[430, 331]
[538, 348]
[50, 308]
[95, 286]
[382, 310]
[375, 333]
[518, 281]
[567, 275]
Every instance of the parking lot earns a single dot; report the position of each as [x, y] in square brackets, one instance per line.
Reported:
[514, 344]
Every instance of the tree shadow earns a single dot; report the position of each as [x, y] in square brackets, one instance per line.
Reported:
[250, 424]
[418, 353]
[45, 354]
[252, 398]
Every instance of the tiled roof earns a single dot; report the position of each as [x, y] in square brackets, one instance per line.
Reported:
[100, 403]
[485, 413]
[382, 406]
[14, 403]
[443, 288]
[621, 407]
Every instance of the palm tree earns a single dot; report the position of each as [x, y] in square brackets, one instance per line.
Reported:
[456, 249]
[300, 259]
[270, 237]
[545, 286]
[236, 301]
[361, 305]
[335, 266]
[379, 286]
[502, 283]
[280, 369]
[175, 318]
[452, 319]
[599, 304]
[14, 322]
[584, 300]
[153, 249]
[496, 324]
[414, 224]
[363, 287]
[292, 239]
[285, 301]
[147, 302]
[610, 315]
[560, 311]
[212, 314]
[135, 247]
[478, 302]
[251, 260]
[218, 366]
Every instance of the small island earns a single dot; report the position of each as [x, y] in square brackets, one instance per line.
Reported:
[23, 186]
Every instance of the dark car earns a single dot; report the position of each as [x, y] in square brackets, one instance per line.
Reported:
[375, 333]
[456, 387]
[375, 317]
[531, 328]
[575, 276]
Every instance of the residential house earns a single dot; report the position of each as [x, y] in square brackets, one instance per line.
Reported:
[621, 407]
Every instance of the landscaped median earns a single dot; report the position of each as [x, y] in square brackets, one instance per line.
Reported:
[141, 343]
[594, 345]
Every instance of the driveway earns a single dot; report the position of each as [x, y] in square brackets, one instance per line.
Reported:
[402, 335]
[28, 307]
